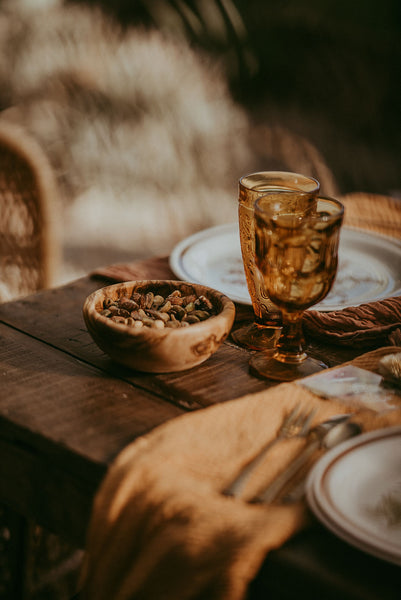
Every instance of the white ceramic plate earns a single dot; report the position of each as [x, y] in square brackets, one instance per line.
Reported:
[355, 491]
[369, 266]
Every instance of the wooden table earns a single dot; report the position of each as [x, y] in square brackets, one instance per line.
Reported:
[66, 411]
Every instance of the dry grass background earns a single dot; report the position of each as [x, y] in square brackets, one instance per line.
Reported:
[143, 134]
[326, 70]
[149, 132]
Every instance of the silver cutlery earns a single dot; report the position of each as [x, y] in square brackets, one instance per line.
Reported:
[295, 424]
[326, 435]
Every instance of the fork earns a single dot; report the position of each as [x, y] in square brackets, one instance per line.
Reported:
[324, 435]
[295, 424]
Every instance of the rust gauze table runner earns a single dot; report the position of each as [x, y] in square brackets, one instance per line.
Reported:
[150, 268]
[372, 324]
[367, 326]
[161, 528]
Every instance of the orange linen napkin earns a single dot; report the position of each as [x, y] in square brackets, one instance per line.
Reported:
[160, 527]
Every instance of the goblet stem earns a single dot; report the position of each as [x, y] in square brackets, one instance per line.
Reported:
[289, 360]
[262, 334]
[296, 253]
[290, 345]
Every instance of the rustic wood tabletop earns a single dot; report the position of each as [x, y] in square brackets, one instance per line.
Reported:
[66, 411]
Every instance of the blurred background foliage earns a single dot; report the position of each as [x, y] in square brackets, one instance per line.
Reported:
[327, 69]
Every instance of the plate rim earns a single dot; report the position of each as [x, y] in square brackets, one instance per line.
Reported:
[181, 247]
[356, 537]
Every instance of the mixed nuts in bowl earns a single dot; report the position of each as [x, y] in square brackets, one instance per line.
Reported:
[158, 326]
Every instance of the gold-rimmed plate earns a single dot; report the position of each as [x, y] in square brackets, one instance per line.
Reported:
[355, 491]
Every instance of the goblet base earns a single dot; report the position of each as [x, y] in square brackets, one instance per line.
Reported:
[265, 366]
[256, 337]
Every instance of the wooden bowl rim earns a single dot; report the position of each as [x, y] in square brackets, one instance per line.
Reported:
[227, 312]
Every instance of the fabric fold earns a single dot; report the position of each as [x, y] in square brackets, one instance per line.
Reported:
[149, 268]
[368, 325]
[161, 528]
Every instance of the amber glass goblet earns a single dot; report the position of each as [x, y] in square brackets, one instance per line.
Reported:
[297, 256]
[264, 331]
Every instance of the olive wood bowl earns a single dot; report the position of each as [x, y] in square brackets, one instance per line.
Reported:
[158, 350]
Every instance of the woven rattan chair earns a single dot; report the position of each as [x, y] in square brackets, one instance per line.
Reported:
[29, 204]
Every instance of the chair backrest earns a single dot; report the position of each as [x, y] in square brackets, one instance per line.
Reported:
[373, 212]
[280, 149]
[29, 207]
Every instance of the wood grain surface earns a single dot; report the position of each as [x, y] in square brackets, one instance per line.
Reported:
[66, 410]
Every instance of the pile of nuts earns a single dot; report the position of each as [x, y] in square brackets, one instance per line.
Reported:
[155, 311]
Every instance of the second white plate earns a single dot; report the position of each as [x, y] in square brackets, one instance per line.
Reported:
[355, 491]
[369, 266]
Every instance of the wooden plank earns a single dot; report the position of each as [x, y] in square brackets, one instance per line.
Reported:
[67, 403]
[40, 488]
[61, 423]
[55, 316]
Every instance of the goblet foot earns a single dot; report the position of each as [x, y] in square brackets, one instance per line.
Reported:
[264, 365]
[256, 337]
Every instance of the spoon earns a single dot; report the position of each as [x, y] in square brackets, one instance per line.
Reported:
[339, 433]
[325, 436]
